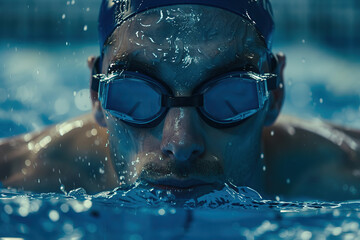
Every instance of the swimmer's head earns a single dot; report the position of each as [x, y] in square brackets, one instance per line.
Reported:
[114, 12]
[182, 48]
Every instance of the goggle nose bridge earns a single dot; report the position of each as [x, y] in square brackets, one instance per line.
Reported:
[192, 101]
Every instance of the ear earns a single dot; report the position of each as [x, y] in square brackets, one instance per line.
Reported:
[277, 96]
[96, 106]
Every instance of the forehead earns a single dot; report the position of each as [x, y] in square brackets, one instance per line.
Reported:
[184, 45]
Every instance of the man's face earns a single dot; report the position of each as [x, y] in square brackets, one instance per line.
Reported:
[184, 47]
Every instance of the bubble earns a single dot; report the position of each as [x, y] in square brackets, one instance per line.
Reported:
[68, 228]
[64, 208]
[82, 100]
[8, 209]
[85, 28]
[63, 16]
[87, 204]
[306, 235]
[161, 212]
[337, 231]
[27, 162]
[94, 132]
[23, 211]
[54, 215]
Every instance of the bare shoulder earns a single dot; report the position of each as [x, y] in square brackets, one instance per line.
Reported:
[70, 153]
[304, 156]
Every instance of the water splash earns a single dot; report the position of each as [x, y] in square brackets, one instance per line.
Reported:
[237, 212]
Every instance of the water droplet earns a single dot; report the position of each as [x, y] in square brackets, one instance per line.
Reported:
[277, 198]
[161, 212]
[321, 100]
[85, 28]
[288, 181]
[27, 162]
[8, 209]
[63, 16]
[272, 133]
[264, 168]
[62, 189]
[87, 204]
[64, 208]
[54, 215]
[101, 171]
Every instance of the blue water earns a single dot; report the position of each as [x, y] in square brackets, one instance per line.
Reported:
[150, 214]
[46, 84]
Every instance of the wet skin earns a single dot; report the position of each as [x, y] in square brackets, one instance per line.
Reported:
[183, 153]
[183, 49]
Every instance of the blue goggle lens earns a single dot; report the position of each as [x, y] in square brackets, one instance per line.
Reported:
[133, 100]
[230, 97]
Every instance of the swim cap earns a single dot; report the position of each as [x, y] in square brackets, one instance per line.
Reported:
[115, 12]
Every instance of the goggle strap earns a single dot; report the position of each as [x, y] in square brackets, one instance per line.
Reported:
[95, 81]
[272, 83]
[193, 101]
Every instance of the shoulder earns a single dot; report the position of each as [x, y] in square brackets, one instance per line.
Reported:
[308, 155]
[69, 153]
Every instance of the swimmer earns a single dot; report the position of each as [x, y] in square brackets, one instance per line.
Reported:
[186, 97]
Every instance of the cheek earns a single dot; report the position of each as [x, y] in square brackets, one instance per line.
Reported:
[128, 143]
[238, 147]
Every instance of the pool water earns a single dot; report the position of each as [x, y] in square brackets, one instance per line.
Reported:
[153, 214]
[46, 84]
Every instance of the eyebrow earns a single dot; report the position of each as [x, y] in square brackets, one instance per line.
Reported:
[121, 65]
[134, 65]
[234, 66]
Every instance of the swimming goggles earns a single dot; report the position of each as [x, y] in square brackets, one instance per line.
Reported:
[222, 102]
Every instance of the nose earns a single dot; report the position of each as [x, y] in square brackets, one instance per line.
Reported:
[182, 139]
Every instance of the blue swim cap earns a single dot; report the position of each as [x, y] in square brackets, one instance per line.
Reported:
[115, 12]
